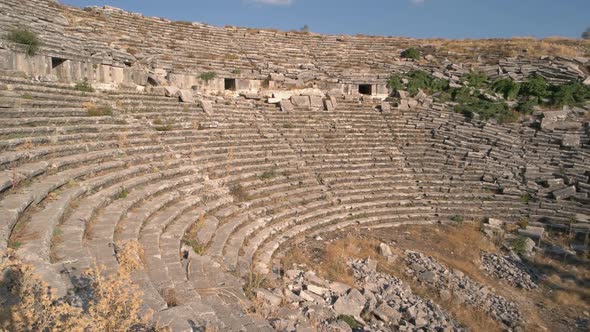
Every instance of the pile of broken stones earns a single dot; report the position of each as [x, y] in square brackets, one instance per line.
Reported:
[509, 269]
[451, 282]
[380, 303]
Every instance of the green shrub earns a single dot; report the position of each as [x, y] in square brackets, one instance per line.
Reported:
[485, 110]
[350, 321]
[574, 93]
[26, 37]
[122, 194]
[422, 80]
[476, 79]
[526, 198]
[507, 87]
[527, 106]
[457, 218]
[523, 222]
[267, 175]
[535, 86]
[207, 76]
[84, 86]
[519, 245]
[167, 127]
[411, 53]
[99, 110]
[395, 82]
[198, 247]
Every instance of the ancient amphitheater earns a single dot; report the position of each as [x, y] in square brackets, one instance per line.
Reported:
[216, 148]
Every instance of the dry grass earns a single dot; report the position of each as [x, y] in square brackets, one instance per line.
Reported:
[29, 305]
[254, 281]
[525, 46]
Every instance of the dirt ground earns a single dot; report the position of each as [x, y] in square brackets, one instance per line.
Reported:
[562, 302]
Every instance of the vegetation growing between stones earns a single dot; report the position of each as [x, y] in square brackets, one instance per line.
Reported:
[98, 110]
[84, 86]
[503, 100]
[24, 36]
[207, 76]
[411, 53]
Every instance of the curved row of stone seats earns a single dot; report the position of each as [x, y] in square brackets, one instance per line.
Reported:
[511, 205]
[247, 178]
[107, 191]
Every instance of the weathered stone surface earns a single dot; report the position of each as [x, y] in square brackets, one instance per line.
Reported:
[351, 304]
[268, 297]
[570, 140]
[564, 193]
[532, 232]
[316, 102]
[171, 91]
[286, 106]
[300, 101]
[207, 106]
[385, 250]
[186, 96]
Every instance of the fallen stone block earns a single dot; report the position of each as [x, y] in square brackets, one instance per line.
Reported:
[532, 232]
[317, 290]
[300, 101]
[186, 96]
[268, 297]
[286, 106]
[564, 193]
[250, 95]
[171, 91]
[554, 182]
[387, 314]
[385, 250]
[338, 288]
[495, 222]
[273, 100]
[316, 102]
[207, 106]
[351, 304]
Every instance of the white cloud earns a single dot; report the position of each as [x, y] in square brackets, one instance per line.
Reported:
[276, 2]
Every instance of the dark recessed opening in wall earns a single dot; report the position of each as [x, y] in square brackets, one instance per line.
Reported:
[365, 89]
[230, 84]
[56, 62]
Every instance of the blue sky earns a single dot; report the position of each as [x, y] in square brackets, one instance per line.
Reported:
[409, 18]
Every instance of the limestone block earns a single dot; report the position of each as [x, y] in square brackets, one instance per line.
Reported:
[564, 193]
[351, 304]
[570, 140]
[316, 101]
[328, 106]
[207, 106]
[300, 101]
[186, 96]
[286, 105]
[171, 91]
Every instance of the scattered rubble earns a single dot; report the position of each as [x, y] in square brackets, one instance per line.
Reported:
[508, 270]
[380, 303]
[437, 276]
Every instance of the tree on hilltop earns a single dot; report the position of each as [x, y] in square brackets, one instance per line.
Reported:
[586, 34]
